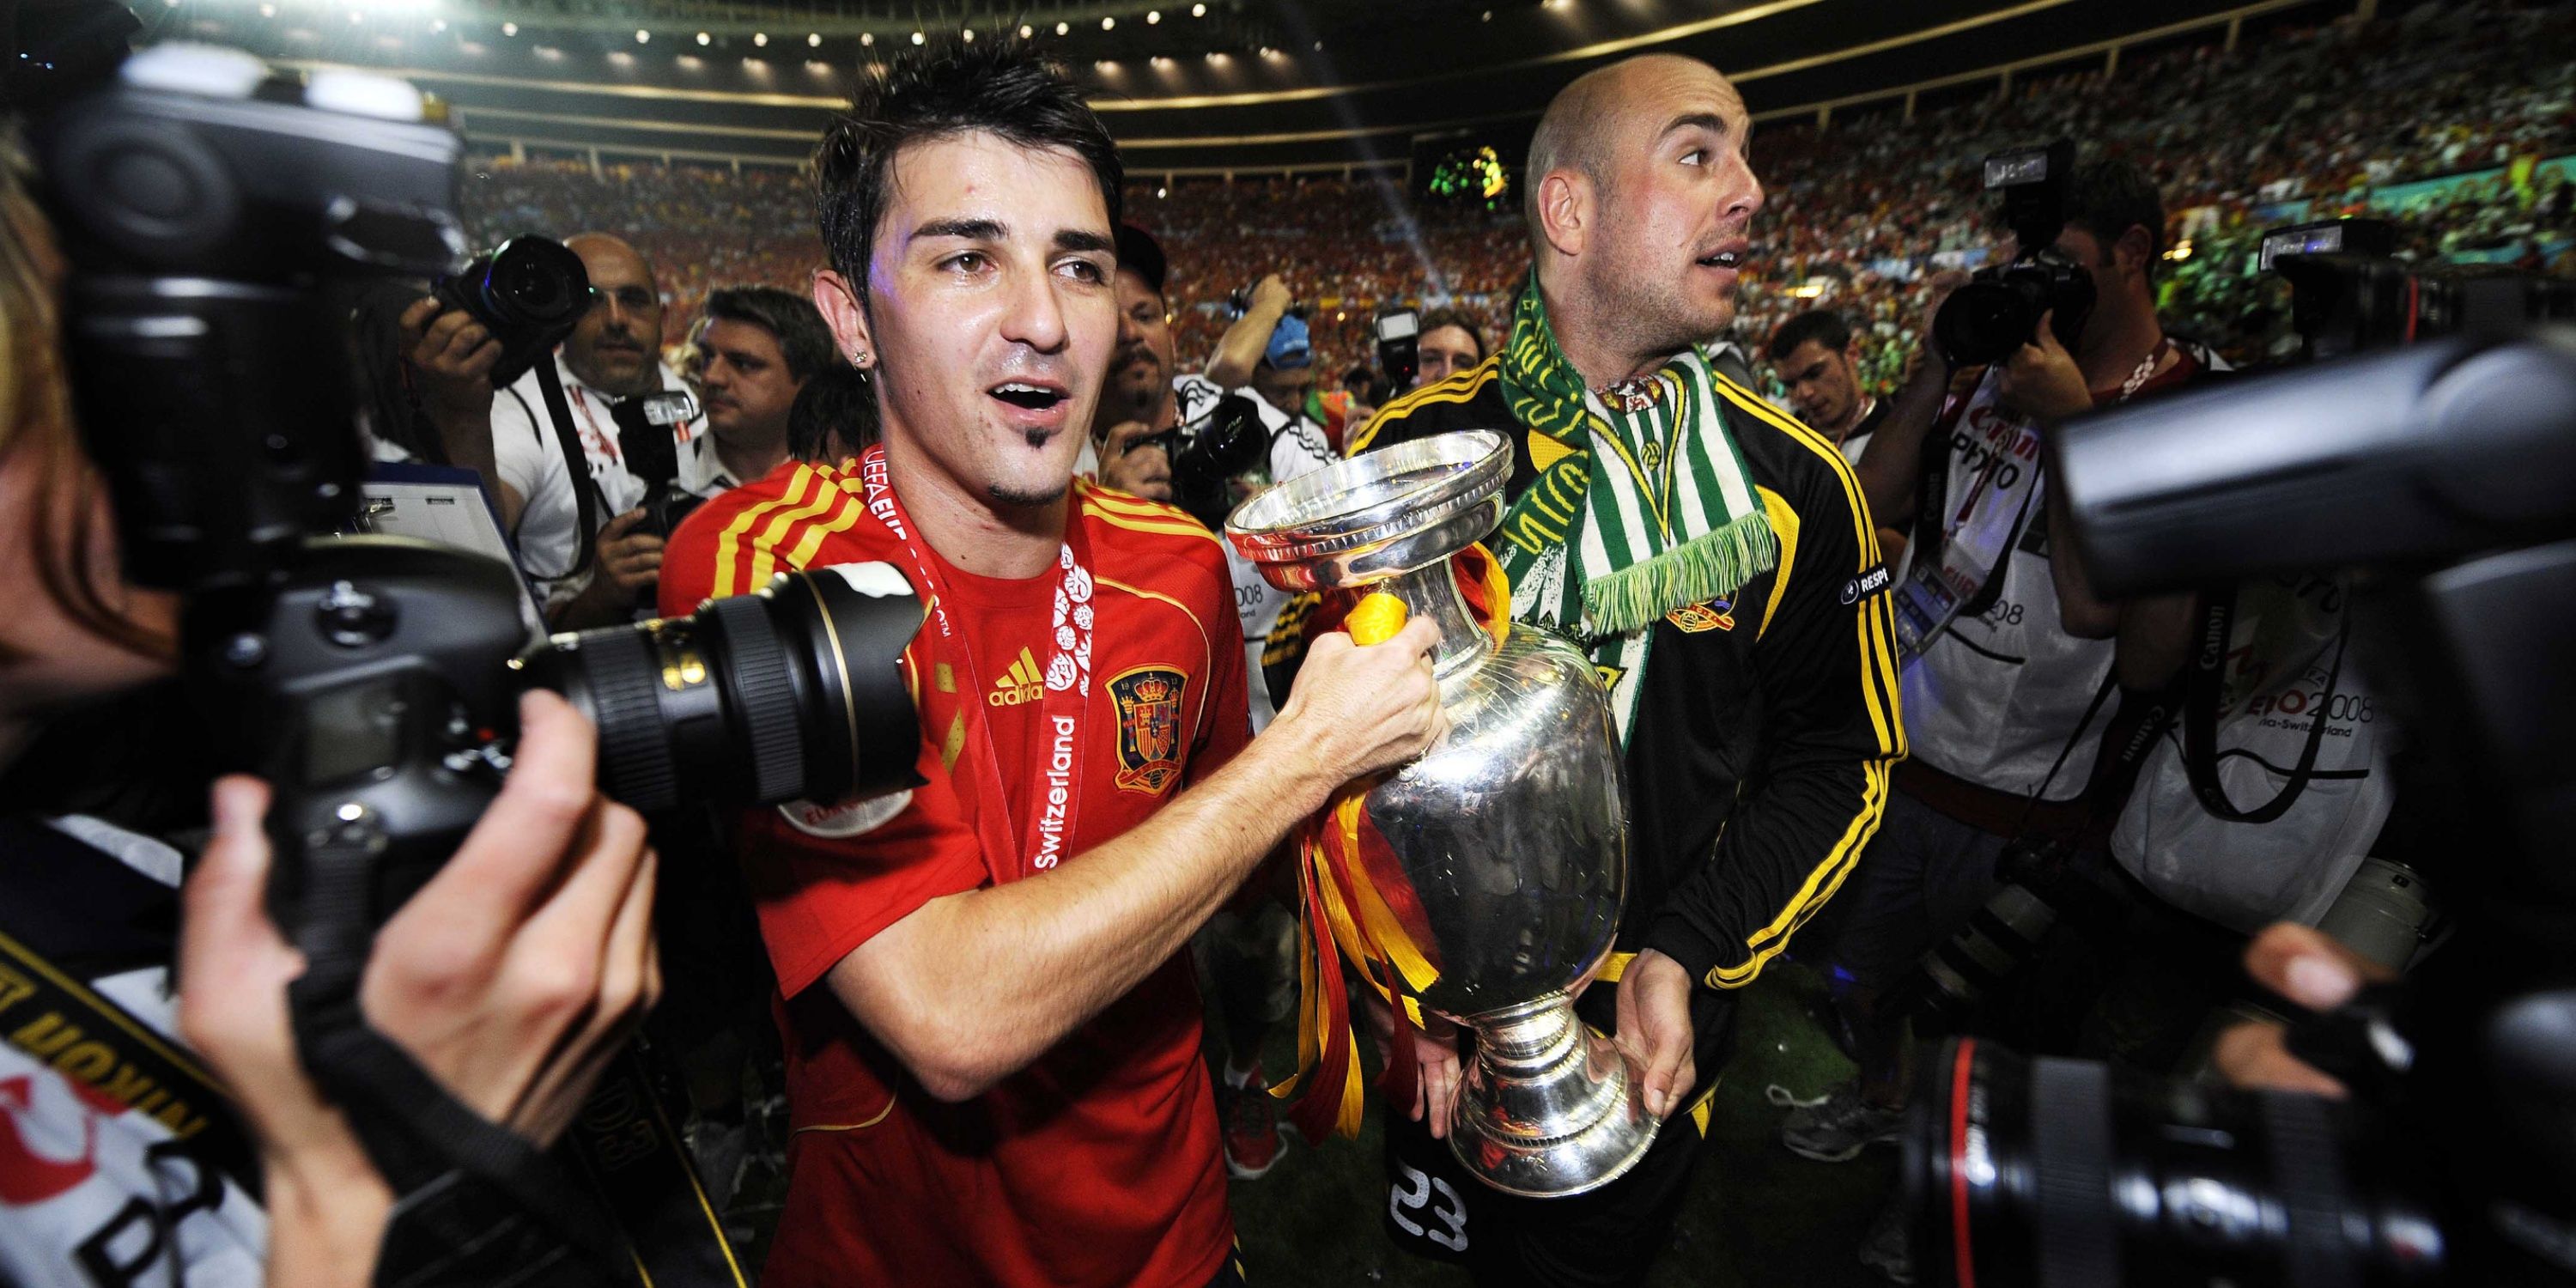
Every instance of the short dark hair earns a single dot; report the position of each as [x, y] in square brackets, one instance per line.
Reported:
[1438, 318]
[788, 317]
[940, 90]
[2107, 198]
[840, 401]
[1824, 326]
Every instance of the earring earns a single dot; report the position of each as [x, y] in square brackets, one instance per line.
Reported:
[860, 359]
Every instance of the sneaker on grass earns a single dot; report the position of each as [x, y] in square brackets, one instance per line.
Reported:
[1837, 1130]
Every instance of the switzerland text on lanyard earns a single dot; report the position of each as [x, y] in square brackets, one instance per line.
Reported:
[1056, 758]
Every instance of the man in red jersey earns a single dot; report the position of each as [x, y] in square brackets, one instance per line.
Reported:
[992, 1036]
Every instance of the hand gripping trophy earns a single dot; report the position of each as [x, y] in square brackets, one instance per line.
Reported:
[1484, 881]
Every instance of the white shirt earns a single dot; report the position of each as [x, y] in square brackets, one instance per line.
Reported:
[530, 459]
[1995, 697]
[1297, 447]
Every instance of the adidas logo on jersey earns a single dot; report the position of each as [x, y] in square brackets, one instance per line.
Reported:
[1024, 682]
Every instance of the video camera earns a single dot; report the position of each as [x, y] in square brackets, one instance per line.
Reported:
[214, 215]
[2449, 468]
[1209, 453]
[2348, 295]
[1998, 311]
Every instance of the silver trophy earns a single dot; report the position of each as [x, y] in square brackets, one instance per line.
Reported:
[1510, 837]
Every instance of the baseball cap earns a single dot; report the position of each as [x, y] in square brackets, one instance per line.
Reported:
[1140, 254]
[1289, 346]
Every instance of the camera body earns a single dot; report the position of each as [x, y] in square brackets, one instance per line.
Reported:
[529, 292]
[1998, 311]
[217, 217]
[2347, 295]
[1209, 453]
[644, 430]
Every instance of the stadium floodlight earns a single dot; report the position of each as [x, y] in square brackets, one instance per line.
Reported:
[760, 40]
[1026, 31]
[1153, 16]
[1108, 24]
[918, 38]
[268, 11]
[1063, 27]
[814, 39]
[643, 37]
[705, 39]
[868, 38]
[1198, 11]
[969, 35]
[509, 29]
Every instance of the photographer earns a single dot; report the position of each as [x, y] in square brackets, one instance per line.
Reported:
[757, 346]
[511, 978]
[2001, 702]
[609, 362]
[981, 983]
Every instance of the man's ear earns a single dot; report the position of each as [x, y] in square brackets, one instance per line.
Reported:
[2135, 250]
[847, 315]
[1567, 207]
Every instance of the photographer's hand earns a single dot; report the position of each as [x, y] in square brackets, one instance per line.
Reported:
[451, 357]
[631, 560]
[2041, 380]
[2311, 969]
[1137, 471]
[513, 977]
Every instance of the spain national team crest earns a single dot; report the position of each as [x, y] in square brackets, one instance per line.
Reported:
[1715, 615]
[1149, 727]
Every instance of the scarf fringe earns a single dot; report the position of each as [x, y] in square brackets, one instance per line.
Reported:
[1715, 563]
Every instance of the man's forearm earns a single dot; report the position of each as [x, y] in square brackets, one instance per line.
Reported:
[466, 434]
[1891, 466]
[1239, 349]
[601, 603]
[974, 986]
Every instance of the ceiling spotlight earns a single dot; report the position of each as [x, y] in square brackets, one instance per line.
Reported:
[1153, 16]
[814, 39]
[1061, 28]
[1198, 11]
[1026, 31]
[643, 37]
[865, 38]
[509, 29]
[760, 38]
[918, 38]
[705, 39]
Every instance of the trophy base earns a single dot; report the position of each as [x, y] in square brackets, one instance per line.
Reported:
[1548, 1107]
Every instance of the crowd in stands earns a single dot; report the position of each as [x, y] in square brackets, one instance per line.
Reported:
[2295, 124]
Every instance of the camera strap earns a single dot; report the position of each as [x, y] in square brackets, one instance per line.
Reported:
[576, 468]
[2204, 684]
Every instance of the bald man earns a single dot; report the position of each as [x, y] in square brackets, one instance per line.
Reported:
[1717, 560]
[612, 357]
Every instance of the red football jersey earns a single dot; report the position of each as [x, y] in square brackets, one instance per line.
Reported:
[1099, 1163]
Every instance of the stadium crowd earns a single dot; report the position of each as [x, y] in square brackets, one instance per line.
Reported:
[2307, 123]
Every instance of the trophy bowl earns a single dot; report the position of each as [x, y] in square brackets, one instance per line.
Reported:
[1498, 887]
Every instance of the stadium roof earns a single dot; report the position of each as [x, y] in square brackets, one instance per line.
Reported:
[1188, 85]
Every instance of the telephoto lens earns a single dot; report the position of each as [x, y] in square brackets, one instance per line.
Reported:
[528, 292]
[785, 694]
[2068, 1173]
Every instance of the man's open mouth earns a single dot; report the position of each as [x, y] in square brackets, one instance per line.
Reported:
[1732, 257]
[1033, 397]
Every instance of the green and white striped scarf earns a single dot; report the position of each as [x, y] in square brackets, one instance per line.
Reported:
[1670, 520]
